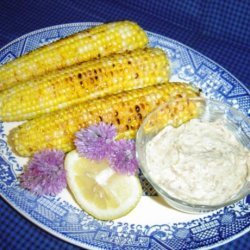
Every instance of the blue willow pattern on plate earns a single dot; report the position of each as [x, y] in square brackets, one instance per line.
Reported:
[71, 224]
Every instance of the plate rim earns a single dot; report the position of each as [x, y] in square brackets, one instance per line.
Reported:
[63, 236]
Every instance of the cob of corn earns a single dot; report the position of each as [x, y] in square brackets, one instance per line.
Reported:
[79, 83]
[95, 42]
[125, 110]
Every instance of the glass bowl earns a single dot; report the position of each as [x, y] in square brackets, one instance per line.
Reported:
[177, 112]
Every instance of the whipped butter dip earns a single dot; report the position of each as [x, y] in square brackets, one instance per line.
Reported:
[199, 162]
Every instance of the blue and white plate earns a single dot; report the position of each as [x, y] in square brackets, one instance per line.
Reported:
[152, 224]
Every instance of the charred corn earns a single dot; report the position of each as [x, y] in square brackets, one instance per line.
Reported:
[95, 42]
[125, 110]
[92, 79]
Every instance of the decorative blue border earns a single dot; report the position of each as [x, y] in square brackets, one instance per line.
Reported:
[71, 224]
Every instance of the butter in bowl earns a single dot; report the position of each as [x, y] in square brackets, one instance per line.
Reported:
[195, 153]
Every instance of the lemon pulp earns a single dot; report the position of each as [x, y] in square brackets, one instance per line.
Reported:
[99, 190]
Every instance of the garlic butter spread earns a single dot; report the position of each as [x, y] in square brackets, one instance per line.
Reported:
[198, 162]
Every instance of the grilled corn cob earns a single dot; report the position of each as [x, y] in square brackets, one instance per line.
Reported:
[96, 42]
[125, 110]
[86, 81]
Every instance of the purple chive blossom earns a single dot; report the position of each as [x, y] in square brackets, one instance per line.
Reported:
[45, 173]
[122, 158]
[95, 141]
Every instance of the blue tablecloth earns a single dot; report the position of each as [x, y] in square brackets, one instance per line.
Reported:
[218, 29]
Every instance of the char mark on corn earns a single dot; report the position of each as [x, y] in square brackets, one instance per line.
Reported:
[125, 110]
[95, 42]
[86, 81]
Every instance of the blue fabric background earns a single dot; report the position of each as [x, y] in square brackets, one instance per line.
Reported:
[218, 29]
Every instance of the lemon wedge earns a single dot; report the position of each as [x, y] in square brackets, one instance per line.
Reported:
[99, 190]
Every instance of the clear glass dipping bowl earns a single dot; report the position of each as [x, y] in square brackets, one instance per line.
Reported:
[209, 110]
